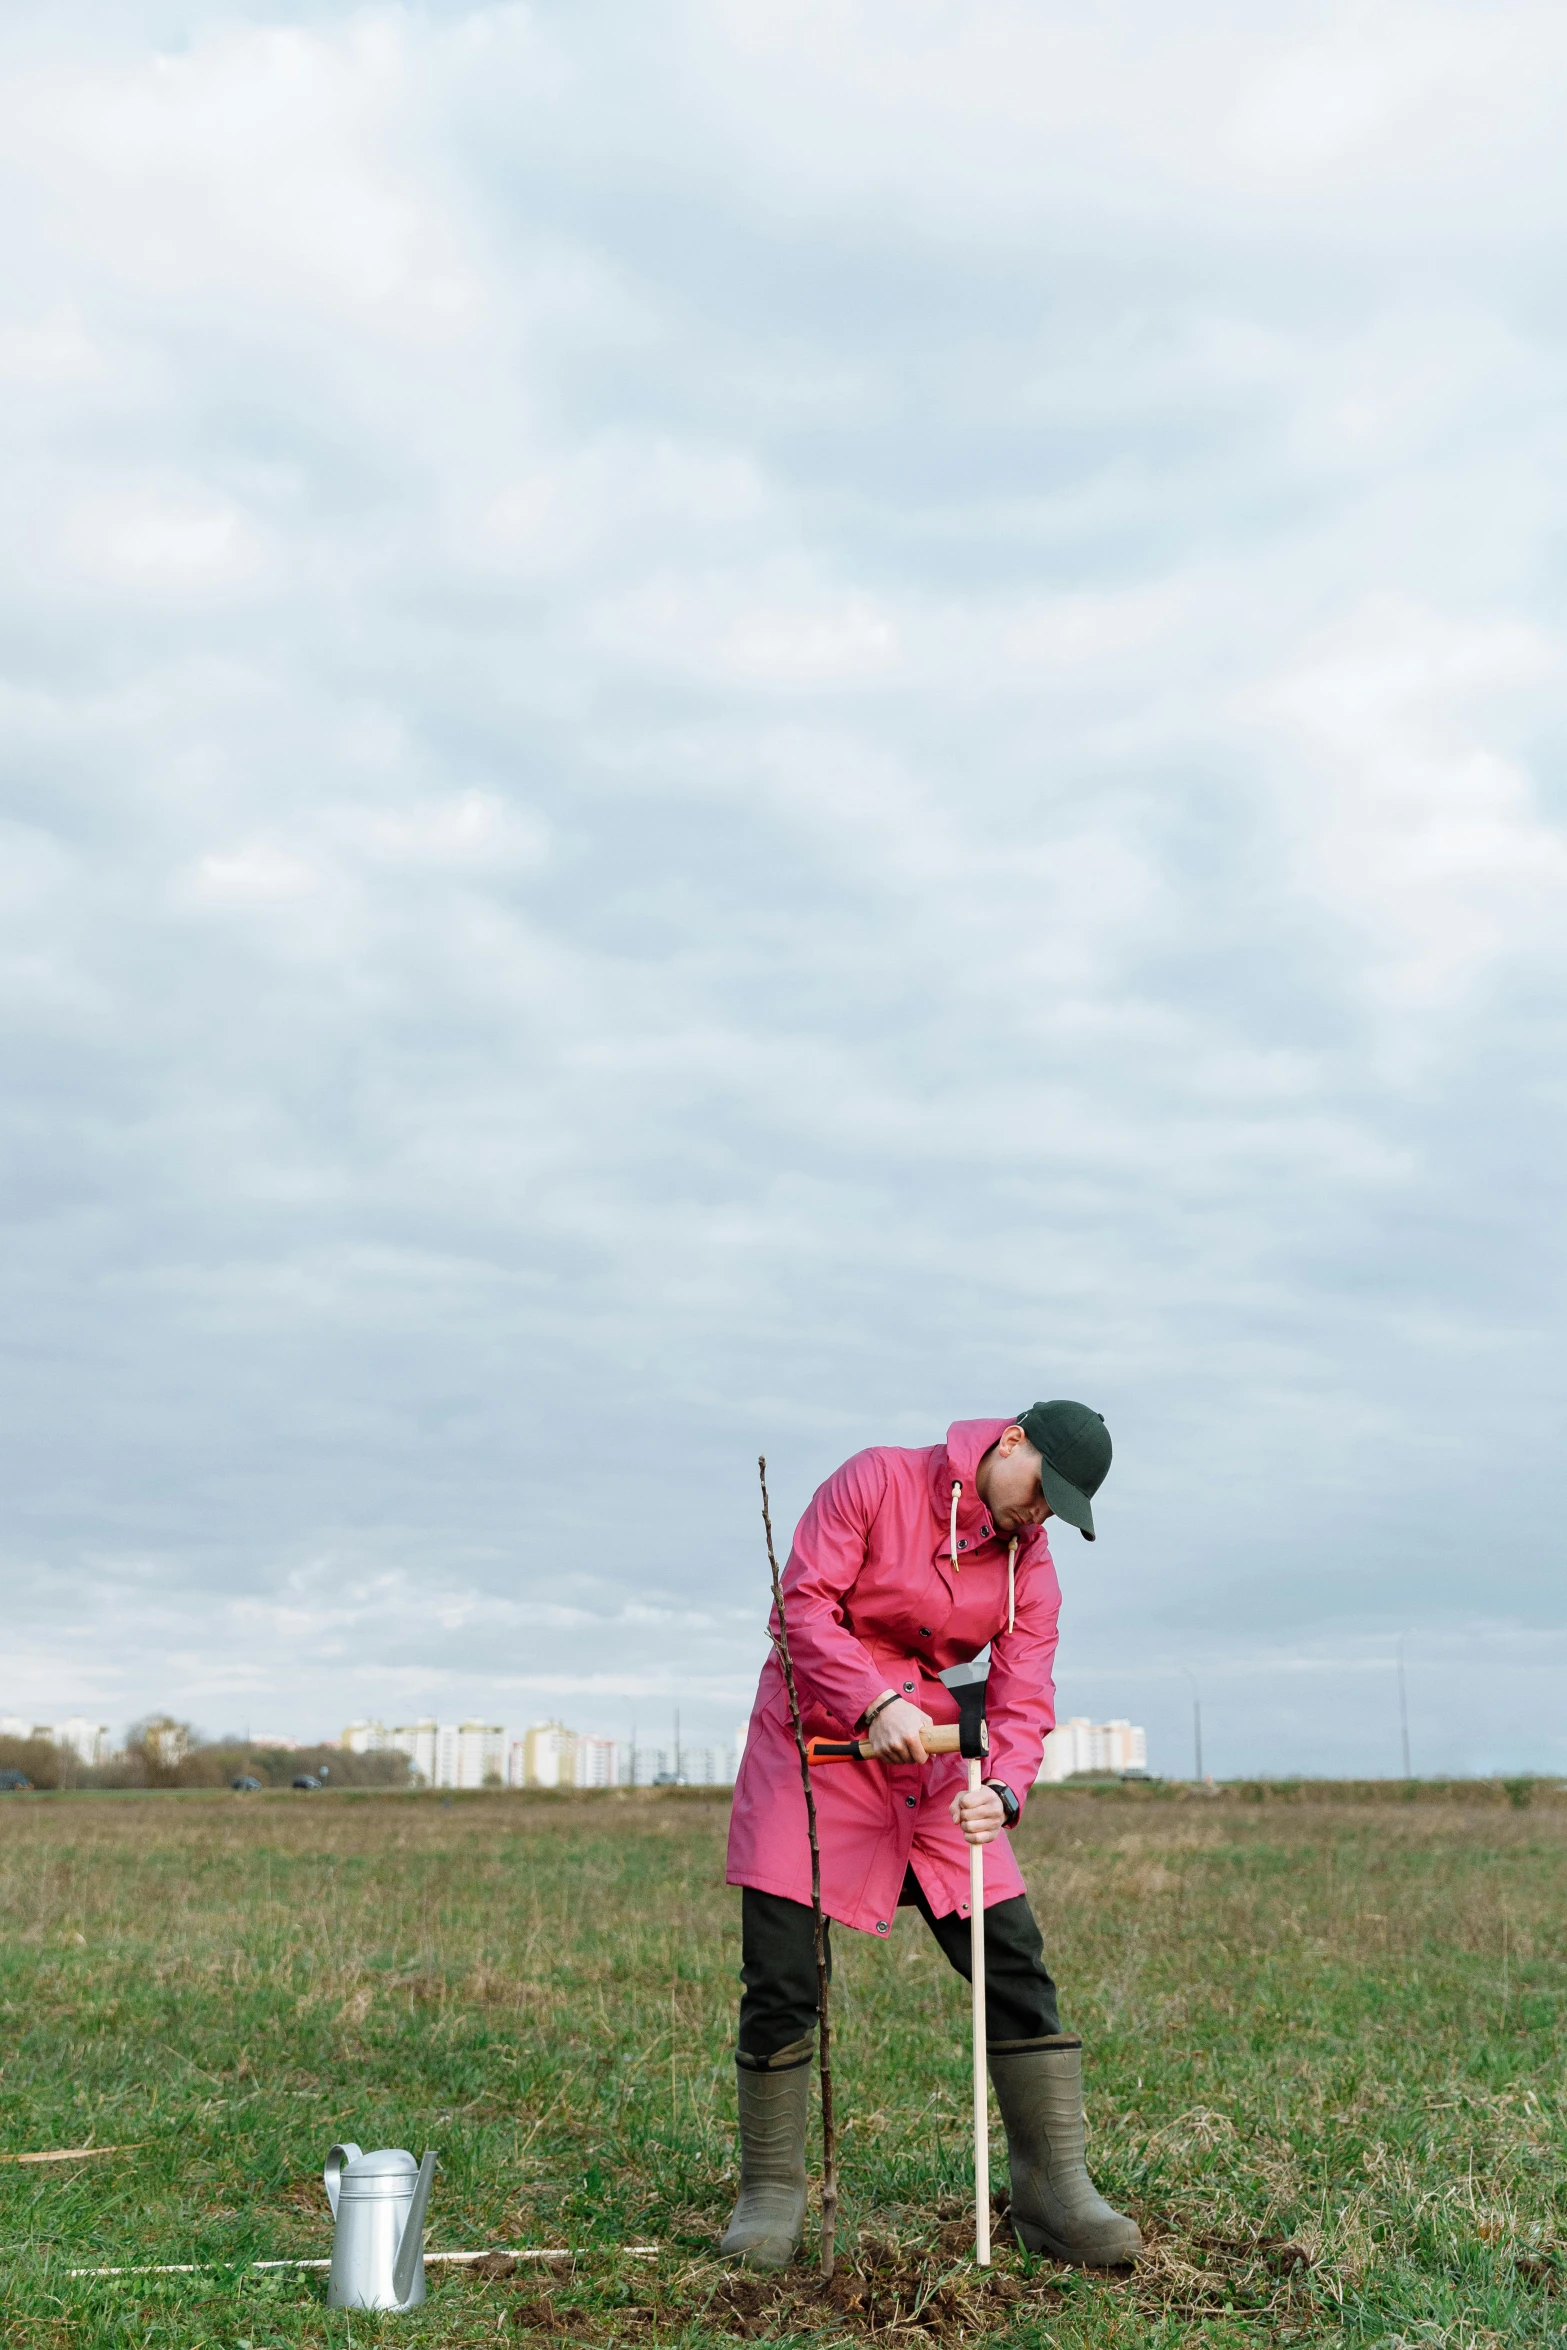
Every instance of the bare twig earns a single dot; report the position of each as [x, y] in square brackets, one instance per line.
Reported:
[824, 2043]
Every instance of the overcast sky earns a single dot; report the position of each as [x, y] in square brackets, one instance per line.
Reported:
[743, 726]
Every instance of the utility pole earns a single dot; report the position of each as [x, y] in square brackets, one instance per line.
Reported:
[677, 1746]
[1403, 1709]
[1196, 1723]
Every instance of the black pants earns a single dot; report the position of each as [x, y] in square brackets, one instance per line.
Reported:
[778, 1969]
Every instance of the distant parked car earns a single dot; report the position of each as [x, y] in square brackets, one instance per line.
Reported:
[245, 1784]
[305, 1781]
[15, 1783]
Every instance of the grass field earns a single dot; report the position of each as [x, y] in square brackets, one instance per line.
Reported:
[1326, 2045]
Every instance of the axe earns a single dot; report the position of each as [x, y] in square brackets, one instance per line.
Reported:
[973, 1745]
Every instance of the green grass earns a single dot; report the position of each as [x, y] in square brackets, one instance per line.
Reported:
[1325, 2043]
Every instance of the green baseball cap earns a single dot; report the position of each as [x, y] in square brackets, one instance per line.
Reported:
[1074, 1450]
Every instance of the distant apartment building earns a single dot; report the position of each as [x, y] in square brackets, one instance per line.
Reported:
[548, 1754]
[369, 1738]
[88, 1741]
[1080, 1745]
[470, 1754]
[167, 1742]
[597, 1763]
[417, 1741]
[681, 1766]
[443, 1754]
[545, 1756]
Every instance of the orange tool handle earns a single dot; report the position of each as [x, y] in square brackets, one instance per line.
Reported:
[942, 1738]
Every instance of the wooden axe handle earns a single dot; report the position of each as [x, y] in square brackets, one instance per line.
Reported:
[942, 1738]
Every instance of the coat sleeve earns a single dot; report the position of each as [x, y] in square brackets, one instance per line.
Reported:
[1020, 1696]
[831, 1669]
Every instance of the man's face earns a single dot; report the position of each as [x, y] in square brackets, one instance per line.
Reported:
[1008, 1481]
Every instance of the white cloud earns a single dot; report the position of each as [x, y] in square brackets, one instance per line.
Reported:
[468, 829]
[1413, 820]
[253, 874]
[153, 544]
[252, 163]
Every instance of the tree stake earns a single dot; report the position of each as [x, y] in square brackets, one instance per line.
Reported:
[824, 2037]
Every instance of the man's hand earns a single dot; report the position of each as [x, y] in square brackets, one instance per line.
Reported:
[895, 1734]
[980, 1813]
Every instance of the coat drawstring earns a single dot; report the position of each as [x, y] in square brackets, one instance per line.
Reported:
[952, 1544]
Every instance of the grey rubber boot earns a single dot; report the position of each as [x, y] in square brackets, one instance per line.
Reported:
[768, 2219]
[1056, 2207]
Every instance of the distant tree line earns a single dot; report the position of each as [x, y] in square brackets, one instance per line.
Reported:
[161, 1752]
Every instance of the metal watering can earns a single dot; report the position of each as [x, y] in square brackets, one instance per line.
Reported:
[378, 2203]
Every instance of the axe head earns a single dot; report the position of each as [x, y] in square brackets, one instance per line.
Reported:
[973, 1736]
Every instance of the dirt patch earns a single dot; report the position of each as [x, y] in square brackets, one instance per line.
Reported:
[879, 2287]
[927, 2290]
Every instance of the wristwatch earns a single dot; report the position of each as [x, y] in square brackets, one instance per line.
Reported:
[1009, 1802]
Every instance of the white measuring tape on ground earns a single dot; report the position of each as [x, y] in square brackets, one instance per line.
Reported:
[195, 2268]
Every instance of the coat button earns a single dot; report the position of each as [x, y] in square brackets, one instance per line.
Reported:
[925, 1632]
[909, 1686]
[962, 1546]
[881, 1925]
[910, 1800]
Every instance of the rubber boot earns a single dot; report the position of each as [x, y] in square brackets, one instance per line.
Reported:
[769, 2217]
[1056, 2207]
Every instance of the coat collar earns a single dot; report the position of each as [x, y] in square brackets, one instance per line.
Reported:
[967, 1443]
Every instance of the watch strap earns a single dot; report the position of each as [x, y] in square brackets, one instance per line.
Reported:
[1009, 1802]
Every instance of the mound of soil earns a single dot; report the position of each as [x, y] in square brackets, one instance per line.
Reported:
[879, 2287]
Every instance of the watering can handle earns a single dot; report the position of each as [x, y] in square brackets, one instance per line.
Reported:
[336, 2162]
[412, 2237]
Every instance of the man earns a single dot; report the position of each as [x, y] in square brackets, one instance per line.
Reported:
[906, 1564]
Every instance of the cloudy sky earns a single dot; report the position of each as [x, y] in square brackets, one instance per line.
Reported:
[743, 726]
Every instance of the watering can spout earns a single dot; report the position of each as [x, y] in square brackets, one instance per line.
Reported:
[411, 2240]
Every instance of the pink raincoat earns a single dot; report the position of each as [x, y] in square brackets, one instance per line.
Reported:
[876, 1600]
